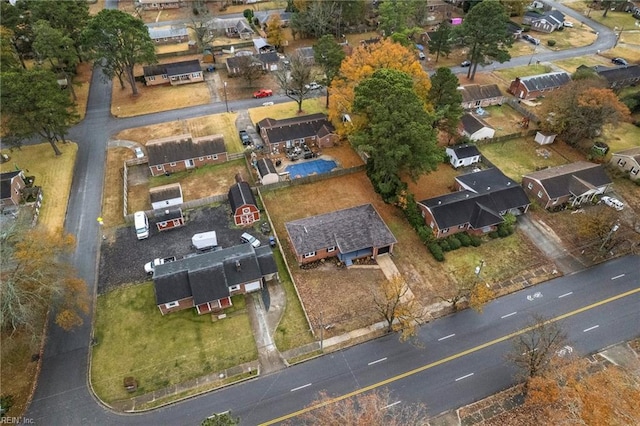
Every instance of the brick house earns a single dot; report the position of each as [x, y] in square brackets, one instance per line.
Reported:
[184, 152]
[168, 35]
[207, 281]
[347, 234]
[11, 185]
[572, 184]
[538, 85]
[312, 130]
[159, 4]
[481, 95]
[627, 161]
[244, 208]
[482, 200]
[269, 61]
[175, 73]
[620, 77]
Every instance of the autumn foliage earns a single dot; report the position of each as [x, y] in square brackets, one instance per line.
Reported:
[360, 65]
[396, 305]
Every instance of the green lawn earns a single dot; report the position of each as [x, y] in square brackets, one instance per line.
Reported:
[623, 136]
[287, 110]
[524, 71]
[135, 339]
[571, 65]
[517, 157]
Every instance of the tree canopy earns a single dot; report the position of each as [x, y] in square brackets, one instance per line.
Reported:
[329, 55]
[446, 99]
[70, 17]
[122, 41]
[363, 63]
[398, 308]
[9, 58]
[441, 42]
[295, 80]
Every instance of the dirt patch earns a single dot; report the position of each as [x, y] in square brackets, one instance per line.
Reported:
[112, 203]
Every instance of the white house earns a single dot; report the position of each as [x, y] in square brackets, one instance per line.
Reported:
[463, 155]
[476, 128]
[165, 196]
[543, 138]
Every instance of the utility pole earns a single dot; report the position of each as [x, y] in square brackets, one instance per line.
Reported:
[321, 331]
[614, 228]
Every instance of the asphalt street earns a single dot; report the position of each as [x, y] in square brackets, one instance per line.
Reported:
[63, 395]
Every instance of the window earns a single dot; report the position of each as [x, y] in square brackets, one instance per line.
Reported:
[331, 249]
[151, 78]
[246, 210]
[555, 201]
[158, 167]
[445, 230]
[310, 254]
[459, 162]
[201, 159]
[165, 76]
[461, 226]
[171, 305]
[503, 212]
[208, 157]
[621, 162]
[172, 164]
[195, 74]
[234, 288]
[539, 194]
[530, 185]
[215, 156]
[634, 171]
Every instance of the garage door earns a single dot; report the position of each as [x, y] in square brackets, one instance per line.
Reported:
[252, 287]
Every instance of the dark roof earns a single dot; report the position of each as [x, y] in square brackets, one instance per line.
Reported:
[240, 195]
[208, 276]
[534, 14]
[556, 15]
[478, 209]
[465, 151]
[574, 178]
[164, 214]
[631, 152]
[350, 229]
[471, 123]
[268, 58]
[175, 68]
[243, 61]
[296, 127]
[484, 181]
[476, 92]
[167, 32]
[5, 183]
[545, 81]
[265, 166]
[183, 147]
[613, 75]
[165, 192]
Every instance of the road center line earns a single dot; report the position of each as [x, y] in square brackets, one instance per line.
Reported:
[464, 377]
[508, 315]
[377, 361]
[590, 328]
[565, 295]
[447, 359]
[300, 387]
[446, 337]
[617, 276]
[391, 405]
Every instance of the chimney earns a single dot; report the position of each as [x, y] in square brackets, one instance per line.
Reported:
[239, 178]
[238, 266]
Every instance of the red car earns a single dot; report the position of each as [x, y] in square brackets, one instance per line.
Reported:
[263, 93]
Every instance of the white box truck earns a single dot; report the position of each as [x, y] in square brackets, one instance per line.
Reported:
[205, 240]
[141, 224]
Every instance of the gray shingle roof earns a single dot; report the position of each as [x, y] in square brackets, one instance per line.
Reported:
[545, 81]
[240, 195]
[485, 181]
[165, 192]
[614, 75]
[476, 92]
[175, 68]
[574, 178]
[471, 123]
[296, 127]
[465, 151]
[265, 166]
[5, 183]
[350, 229]
[167, 32]
[183, 147]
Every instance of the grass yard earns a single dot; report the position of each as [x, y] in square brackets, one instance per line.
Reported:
[288, 109]
[630, 53]
[53, 173]
[82, 81]
[510, 74]
[504, 119]
[571, 65]
[165, 49]
[518, 157]
[112, 202]
[622, 136]
[134, 339]
[433, 184]
[614, 20]
[568, 38]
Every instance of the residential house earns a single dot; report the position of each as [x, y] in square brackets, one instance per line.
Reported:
[267, 173]
[482, 200]
[11, 185]
[627, 161]
[312, 130]
[244, 207]
[168, 35]
[481, 95]
[475, 128]
[307, 55]
[548, 22]
[262, 46]
[207, 281]
[230, 27]
[538, 85]
[266, 61]
[570, 184]
[183, 152]
[159, 4]
[514, 29]
[620, 77]
[544, 138]
[347, 234]
[263, 18]
[166, 196]
[463, 155]
[169, 218]
[176, 73]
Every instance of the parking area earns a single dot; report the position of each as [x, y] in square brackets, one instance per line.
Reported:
[122, 257]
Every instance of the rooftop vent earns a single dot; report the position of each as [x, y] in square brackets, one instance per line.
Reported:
[238, 266]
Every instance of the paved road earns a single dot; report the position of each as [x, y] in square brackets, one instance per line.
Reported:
[62, 396]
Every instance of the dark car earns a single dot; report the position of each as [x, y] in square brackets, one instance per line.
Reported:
[244, 137]
[620, 61]
[465, 64]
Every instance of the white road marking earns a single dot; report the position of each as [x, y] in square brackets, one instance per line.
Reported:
[377, 361]
[391, 405]
[565, 295]
[464, 377]
[617, 276]
[446, 337]
[508, 315]
[590, 328]
[301, 387]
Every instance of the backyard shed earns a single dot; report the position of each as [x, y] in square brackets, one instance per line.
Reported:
[169, 219]
[267, 171]
[544, 138]
[165, 196]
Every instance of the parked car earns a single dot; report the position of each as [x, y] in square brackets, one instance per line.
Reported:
[244, 137]
[263, 93]
[612, 202]
[139, 152]
[567, 24]
[465, 64]
[248, 238]
[313, 86]
[149, 267]
[531, 39]
[421, 56]
[620, 61]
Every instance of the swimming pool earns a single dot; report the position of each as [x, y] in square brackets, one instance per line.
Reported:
[310, 168]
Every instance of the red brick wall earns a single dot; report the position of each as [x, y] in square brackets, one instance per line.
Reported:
[182, 304]
[181, 166]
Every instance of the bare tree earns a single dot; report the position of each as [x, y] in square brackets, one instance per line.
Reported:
[250, 69]
[199, 24]
[396, 305]
[295, 80]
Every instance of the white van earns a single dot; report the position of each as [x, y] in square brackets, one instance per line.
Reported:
[141, 223]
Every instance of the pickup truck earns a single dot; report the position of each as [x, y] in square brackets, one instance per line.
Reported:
[263, 93]
[149, 267]
[245, 138]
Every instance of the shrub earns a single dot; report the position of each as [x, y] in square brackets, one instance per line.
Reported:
[425, 234]
[475, 240]
[444, 244]
[493, 235]
[465, 240]
[503, 231]
[454, 242]
[551, 43]
[436, 251]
